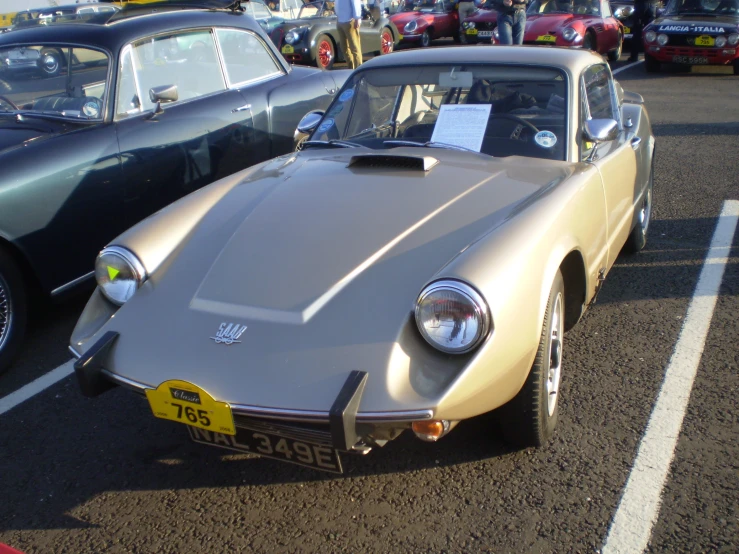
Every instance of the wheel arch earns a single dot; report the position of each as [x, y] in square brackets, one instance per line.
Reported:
[574, 276]
[30, 277]
[591, 31]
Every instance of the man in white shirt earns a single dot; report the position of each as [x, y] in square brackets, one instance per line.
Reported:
[349, 17]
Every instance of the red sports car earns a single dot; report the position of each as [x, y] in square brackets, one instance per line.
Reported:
[479, 26]
[422, 21]
[588, 24]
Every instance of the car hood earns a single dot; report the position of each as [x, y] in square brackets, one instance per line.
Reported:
[322, 259]
[542, 24]
[400, 19]
[695, 23]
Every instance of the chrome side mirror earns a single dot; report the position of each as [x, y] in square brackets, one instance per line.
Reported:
[164, 93]
[309, 122]
[599, 130]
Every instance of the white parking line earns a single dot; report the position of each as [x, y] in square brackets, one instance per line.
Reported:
[620, 69]
[34, 387]
[639, 507]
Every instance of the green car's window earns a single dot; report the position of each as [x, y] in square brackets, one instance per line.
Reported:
[187, 60]
[246, 57]
[56, 80]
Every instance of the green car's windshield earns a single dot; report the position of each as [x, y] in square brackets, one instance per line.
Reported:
[703, 7]
[53, 79]
[498, 110]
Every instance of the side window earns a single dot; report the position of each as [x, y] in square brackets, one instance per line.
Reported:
[187, 60]
[605, 8]
[246, 57]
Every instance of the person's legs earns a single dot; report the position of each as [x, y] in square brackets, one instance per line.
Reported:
[354, 46]
[342, 29]
[518, 27]
[465, 9]
[505, 22]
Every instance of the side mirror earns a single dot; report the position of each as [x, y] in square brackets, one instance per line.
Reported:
[164, 93]
[601, 130]
[310, 122]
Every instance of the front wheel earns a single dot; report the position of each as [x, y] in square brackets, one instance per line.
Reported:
[12, 310]
[387, 42]
[325, 52]
[638, 237]
[614, 55]
[530, 418]
[50, 62]
[425, 39]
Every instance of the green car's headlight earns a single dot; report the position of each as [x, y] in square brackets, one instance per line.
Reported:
[119, 273]
[452, 316]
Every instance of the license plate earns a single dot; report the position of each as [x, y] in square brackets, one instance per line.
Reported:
[546, 38]
[189, 404]
[471, 31]
[317, 456]
[485, 34]
[627, 30]
[704, 40]
[287, 49]
[692, 60]
[400, 36]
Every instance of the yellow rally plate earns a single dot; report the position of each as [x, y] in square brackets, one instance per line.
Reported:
[189, 404]
[471, 31]
[287, 49]
[627, 30]
[546, 38]
[704, 40]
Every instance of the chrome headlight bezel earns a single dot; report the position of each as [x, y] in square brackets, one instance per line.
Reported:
[477, 305]
[721, 41]
[129, 265]
[469, 25]
[662, 39]
[411, 26]
[733, 39]
[570, 34]
[650, 36]
[291, 37]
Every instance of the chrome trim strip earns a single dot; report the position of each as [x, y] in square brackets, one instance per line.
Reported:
[285, 414]
[72, 284]
[74, 353]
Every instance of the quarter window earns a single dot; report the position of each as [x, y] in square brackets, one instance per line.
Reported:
[246, 57]
[597, 83]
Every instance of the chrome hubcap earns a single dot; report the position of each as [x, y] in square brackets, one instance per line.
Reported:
[646, 210]
[50, 63]
[555, 356]
[5, 313]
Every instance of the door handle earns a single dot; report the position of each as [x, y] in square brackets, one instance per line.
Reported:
[242, 108]
[635, 143]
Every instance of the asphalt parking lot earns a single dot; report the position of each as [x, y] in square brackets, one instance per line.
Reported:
[102, 475]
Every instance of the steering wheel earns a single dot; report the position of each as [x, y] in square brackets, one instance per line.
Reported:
[521, 124]
[4, 100]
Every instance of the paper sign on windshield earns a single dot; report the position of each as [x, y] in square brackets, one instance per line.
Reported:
[462, 125]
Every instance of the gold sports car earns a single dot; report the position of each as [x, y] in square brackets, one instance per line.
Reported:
[415, 264]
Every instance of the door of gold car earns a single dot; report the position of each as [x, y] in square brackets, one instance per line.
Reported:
[615, 160]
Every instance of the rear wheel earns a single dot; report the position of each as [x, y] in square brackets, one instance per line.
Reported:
[638, 237]
[425, 39]
[387, 43]
[530, 418]
[50, 62]
[12, 310]
[614, 55]
[650, 64]
[325, 52]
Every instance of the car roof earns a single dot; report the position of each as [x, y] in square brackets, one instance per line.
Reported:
[569, 59]
[113, 31]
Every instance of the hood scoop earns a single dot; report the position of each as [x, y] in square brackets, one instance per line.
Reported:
[391, 161]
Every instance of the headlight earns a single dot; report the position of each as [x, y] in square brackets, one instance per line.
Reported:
[496, 34]
[469, 24]
[452, 316]
[733, 39]
[662, 39]
[411, 26]
[720, 42]
[624, 11]
[651, 36]
[119, 273]
[570, 34]
[291, 37]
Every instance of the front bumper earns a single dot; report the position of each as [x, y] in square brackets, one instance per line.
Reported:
[714, 56]
[343, 427]
[19, 65]
[415, 37]
[300, 54]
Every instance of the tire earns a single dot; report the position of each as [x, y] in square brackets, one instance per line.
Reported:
[457, 37]
[425, 40]
[736, 67]
[51, 63]
[13, 310]
[387, 42]
[650, 64]
[530, 418]
[638, 237]
[615, 55]
[325, 52]
[589, 42]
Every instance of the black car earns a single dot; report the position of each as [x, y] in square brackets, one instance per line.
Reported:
[623, 10]
[149, 106]
[313, 38]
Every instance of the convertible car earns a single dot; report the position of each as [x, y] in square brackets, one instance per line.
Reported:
[587, 24]
[694, 32]
[152, 107]
[417, 263]
[421, 21]
[313, 39]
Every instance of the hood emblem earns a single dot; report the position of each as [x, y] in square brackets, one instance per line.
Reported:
[229, 333]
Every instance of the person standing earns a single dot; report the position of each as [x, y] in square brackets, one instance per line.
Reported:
[465, 9]
[644, 13]
[511, 20]
[348, 20]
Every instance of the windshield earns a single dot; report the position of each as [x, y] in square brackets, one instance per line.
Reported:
[498, 110]
[577, 7]
[257, 10]
[703, 7]
[53, 79]
[425, 6]
[316, 9]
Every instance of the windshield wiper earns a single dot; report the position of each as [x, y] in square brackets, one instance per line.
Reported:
[332, 142]
[429, 144]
